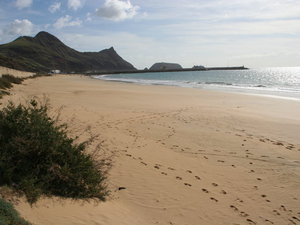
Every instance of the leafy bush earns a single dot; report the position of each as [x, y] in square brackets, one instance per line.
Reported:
[9, 216]
[38, 158]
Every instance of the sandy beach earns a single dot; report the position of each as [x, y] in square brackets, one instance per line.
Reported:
[16, 73]
[182, 156]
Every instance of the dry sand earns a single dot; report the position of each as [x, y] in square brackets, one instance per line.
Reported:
[185, 156]
[16, 73]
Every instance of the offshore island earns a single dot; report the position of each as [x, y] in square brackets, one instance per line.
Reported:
[45, 53]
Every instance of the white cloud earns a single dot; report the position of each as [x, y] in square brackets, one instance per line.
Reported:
[54, 7]
[88, 17]
[23, 3]
[117, 10]
[74, 4]
[19, 27]
[66, 21]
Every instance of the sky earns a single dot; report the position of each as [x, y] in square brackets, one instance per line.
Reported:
[254, 33]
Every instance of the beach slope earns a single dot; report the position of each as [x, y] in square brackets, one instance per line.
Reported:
[181, 156]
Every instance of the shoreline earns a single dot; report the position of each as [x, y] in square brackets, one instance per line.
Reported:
[184, 156]
[222, 89]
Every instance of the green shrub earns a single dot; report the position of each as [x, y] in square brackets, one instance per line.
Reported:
[4, 84]
[9, 216]
[12, 79]
[38, 158]
[6, 81]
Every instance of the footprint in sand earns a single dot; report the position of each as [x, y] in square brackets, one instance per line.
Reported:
[251, 221]
[239, 200]
[276, 212]
[222, 161]
[223, 192]
[213, 199]
[290, 147]
[234, 208]
[157, 167]
[187, 184]
[269, 221]
[243, 214]
[258, 179]
[164, 173]
[197, 177]
[214, 184]
[189, 171]
[205, 157]
[278, 143]
[145, 164]
[295, 218]
[292, 222]
[170, 168]
[282, 207]
[179, 178]
[205, 190]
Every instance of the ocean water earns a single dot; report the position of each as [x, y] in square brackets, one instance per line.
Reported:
[282, 82]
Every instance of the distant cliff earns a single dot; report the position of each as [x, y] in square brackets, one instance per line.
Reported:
[165, 66]
[45, 52]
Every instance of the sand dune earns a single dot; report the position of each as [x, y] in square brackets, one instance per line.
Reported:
[16, 73]
[182, 156]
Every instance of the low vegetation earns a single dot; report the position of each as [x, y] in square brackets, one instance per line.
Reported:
[9, 216]
[6, 81]
[38, 158]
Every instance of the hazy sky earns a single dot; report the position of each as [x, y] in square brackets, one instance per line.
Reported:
[254, 33]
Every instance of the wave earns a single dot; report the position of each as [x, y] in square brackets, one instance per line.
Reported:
[219, 83]
[261, 89]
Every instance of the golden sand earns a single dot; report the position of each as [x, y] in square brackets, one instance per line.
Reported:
[184, 156]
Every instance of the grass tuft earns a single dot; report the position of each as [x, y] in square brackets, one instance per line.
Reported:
[9, 216]
[12, 79]
[38, 158]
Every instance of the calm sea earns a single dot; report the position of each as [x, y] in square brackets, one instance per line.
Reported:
[276, 82]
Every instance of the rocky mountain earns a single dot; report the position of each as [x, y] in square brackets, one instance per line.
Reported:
[165, 66]
[45, 52]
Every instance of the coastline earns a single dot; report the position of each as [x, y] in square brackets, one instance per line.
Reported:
[265, 82]
[185, 156]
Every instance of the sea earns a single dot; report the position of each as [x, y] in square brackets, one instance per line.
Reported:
[278, 82]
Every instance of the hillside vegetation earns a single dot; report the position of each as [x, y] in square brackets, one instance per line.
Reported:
[45, 52]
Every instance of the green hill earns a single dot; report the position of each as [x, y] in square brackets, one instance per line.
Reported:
[45, 52]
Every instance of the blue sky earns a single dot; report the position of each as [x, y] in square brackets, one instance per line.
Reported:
[254, 33]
